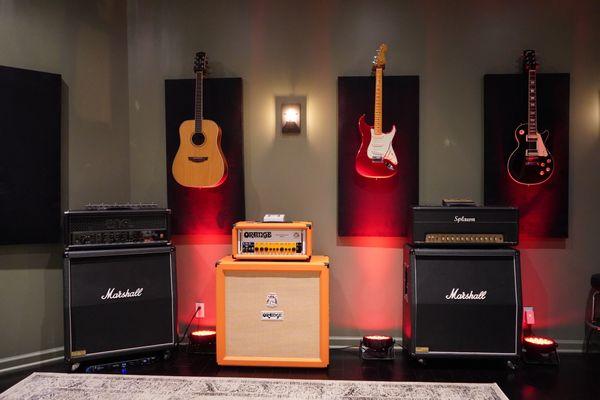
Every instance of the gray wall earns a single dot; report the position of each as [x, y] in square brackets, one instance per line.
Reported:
[85, 42]
[114, 57]
[299, 48]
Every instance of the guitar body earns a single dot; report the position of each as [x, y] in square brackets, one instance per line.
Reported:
[376, 157]
[200, 165]
[528, 169]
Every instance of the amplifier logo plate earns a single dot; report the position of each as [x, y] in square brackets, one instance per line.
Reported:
[455, 295]
[462, 219]
[272, 300]
[258, 234]
[111, 295]
[271, 315]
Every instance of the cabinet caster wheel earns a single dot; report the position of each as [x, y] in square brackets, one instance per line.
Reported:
[75, 367]
[511, 365]
[166, 355]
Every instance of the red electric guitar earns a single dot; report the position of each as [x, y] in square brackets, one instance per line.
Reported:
[530, 163]
[376, 157]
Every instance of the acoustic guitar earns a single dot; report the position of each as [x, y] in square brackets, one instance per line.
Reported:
[199, 162]
[530, 163]
[376, 157]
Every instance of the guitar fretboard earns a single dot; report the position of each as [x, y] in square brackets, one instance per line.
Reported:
[378, 115]
[532, 105]
[198, 110]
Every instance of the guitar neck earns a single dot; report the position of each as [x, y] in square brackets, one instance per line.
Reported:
[198, 109]
[378, 115]
[531, 103]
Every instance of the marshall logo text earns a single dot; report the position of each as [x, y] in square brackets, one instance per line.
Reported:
[455, 295]
[462, 218]
[111, 294]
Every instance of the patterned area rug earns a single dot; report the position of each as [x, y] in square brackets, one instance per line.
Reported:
[40, 386]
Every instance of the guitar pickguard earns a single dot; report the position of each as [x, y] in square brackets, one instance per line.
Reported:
[380, 147]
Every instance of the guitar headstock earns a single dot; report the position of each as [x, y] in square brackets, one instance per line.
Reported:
[379, 59]
[529, 61]
[200, 62]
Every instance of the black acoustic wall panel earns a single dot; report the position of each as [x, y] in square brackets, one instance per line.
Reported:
[30, 107]
[543, 208]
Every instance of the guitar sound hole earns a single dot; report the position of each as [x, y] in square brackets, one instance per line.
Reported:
[198, 138]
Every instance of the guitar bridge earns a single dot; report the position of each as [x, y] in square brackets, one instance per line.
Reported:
[198, 159]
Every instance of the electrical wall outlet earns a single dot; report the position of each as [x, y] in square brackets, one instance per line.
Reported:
[199, 310]
[529, 315]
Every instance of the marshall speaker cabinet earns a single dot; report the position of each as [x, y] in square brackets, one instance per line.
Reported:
[119, 301]
[461, 302]
[273, 313]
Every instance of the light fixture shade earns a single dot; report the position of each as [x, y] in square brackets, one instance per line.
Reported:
[203, 336]
[378, 342]
[290, 118]
[377, 347]
[290, 115]
[539, 343]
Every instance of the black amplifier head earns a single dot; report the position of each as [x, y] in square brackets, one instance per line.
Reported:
[116, 228]
[456, 226]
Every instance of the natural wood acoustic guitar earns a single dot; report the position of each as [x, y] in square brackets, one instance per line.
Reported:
[199, 162]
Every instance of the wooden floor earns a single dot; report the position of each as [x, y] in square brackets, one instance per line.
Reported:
[578, 376]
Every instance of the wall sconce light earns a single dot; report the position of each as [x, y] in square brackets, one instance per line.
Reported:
[290, 118]
[290, 114]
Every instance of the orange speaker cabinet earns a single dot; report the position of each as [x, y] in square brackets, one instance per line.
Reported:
[273, 313]
[253, 240]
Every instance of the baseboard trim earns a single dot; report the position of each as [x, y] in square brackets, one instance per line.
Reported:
[30, 365]
[6, 360]
[29, 360]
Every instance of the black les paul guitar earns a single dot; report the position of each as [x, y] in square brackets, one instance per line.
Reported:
[531, 162]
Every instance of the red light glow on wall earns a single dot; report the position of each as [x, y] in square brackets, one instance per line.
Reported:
[366, 297]
[196, 281]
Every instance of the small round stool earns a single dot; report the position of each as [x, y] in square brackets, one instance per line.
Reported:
[593, 323]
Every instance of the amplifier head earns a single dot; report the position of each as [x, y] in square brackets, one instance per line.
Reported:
[272, 241]
[464, 226]
[116, 228]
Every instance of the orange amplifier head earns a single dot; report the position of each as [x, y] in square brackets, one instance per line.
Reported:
[272, 240]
